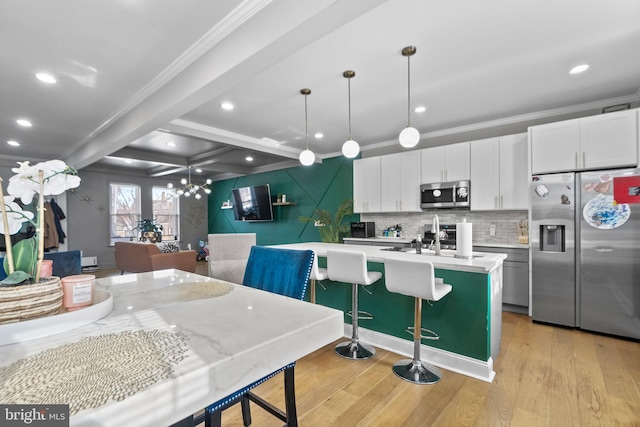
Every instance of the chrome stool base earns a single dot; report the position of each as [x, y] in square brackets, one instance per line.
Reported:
[416, 372]
[355, 350]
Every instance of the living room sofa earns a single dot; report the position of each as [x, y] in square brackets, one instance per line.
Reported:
[136, 257]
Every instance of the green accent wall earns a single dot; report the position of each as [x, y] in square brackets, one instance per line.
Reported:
[321, 186]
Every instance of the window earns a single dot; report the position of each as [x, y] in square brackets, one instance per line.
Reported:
[124, 208]
[166, 211]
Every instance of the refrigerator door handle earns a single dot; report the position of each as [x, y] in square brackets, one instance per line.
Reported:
[603, 249]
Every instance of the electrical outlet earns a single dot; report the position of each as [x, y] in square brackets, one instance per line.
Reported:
[492, 230]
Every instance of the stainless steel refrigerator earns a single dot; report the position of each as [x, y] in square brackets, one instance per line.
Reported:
[585, 245]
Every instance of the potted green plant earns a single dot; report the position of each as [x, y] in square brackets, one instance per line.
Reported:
[150, 230]
[331, 227]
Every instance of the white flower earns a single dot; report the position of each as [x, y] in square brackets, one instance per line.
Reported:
[57, 178]
[15, 215]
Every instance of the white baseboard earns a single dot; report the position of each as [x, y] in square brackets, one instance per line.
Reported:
[444, 359]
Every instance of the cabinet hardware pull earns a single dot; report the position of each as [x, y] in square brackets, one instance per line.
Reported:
[501, 200]
[584, 159]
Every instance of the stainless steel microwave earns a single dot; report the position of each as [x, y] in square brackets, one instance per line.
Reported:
[445, 195]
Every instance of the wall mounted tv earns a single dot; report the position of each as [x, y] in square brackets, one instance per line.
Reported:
[252, 204]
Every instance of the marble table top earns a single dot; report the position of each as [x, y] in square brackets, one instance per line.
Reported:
[232, 339]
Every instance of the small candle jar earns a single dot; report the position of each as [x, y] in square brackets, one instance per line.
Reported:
[77, 291]
[46, 269]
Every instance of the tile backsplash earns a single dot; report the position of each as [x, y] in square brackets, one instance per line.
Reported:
[506, 223]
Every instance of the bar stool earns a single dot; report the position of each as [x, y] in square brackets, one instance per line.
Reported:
[416, 279]
[351, 267]
[317, 273]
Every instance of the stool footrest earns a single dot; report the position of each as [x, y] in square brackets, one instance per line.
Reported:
[432, 335]
[362, 315]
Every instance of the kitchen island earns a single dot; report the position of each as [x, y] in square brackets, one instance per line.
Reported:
[468, 320]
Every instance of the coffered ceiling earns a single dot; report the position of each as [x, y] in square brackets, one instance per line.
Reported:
[135, 75]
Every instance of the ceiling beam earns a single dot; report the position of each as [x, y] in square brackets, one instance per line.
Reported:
[284, 29]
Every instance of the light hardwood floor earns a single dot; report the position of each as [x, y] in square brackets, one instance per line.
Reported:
[545, 376]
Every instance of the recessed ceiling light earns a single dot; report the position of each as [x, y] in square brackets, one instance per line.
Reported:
[226, 106]
[13, 143]
[199, 170]
[128, 161]
[24, 122]
[171, 144]
[420, 109]
[579, 69]
[318, 135]
[249, 159]
[46, 78]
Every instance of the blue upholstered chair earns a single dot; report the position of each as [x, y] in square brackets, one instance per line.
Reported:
[285, 272]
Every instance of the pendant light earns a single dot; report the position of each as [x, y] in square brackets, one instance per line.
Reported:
[350, 148]
[409, 137]
[306, 157]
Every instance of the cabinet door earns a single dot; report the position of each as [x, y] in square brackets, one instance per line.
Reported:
[555, 146]
[515, 288]
[514, 173]
[609, 140]
[485, 174]
[390, 183]
[432, 165]
[410, 180]
[457, 162]
[366, 185]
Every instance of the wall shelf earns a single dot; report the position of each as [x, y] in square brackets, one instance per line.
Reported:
[283, 204]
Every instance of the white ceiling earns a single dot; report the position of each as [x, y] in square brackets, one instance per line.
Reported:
[135, 74]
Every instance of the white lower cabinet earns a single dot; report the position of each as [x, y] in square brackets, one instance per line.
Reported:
[499, 173]
[400, 182]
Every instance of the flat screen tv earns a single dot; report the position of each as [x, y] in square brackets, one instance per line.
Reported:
[252, 204]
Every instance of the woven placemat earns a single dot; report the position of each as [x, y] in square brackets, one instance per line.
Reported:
[189, 291]
[94, 370]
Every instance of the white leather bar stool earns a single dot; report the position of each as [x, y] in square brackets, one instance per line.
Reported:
[351, 267]
[317, 273]
[415, 278]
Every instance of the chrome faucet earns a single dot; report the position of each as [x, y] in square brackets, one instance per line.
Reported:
[435, 230]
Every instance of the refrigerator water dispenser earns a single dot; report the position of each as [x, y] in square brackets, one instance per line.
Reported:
[552, 238]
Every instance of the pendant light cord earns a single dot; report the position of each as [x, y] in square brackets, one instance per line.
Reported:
[306, 123]
[349, 86]
[408, 91]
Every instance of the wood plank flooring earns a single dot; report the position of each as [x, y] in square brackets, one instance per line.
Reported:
[545, 376]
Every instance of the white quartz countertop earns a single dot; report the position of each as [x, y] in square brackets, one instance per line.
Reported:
[501, 245]
[385, 240]
[481, 263]
[380, 239]
[232, 340]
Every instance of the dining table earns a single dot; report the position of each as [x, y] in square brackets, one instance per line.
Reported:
[173, 343]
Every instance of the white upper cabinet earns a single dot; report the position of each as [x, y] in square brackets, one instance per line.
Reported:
[499, 173]
[514, 171]
[366, 185]
[400, 182]
[609, 140]
[595, 142]
[445, 163]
